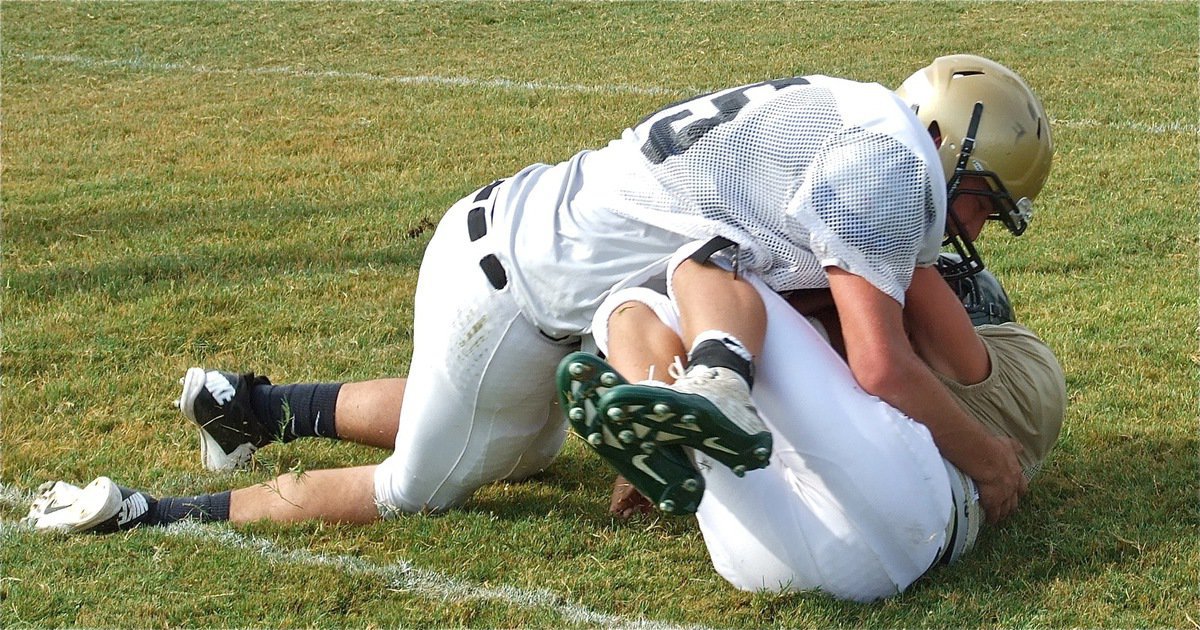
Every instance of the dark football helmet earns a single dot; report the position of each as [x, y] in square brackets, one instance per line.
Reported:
[980, 293]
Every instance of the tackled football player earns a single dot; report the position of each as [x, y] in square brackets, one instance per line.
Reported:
[852, 480]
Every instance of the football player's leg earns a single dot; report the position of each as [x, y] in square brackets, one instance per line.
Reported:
[640, 337]
[480, 381]
[630, 327]
[543, 447]
[711, 298]
[642, 345]
[237, 414]
[368, 412]
[857, 500]
[103, 507]
[343, 495]
[340, 495]
[469, 421]
[708, 407]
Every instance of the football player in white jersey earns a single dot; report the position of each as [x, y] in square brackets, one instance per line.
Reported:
[818, 182]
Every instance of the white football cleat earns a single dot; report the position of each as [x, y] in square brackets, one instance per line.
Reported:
[66, 508]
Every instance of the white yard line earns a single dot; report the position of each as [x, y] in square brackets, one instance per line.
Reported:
[143, 65]
[401, 576]
[506, 84]
[1133, 125]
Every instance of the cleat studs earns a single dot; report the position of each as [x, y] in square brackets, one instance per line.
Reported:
[649, 447]
[662, 409]
[595, 439]
[688, 418]
[667, 506]
[762, 453]
[577, 414]
[577, 369]
[739, 470]
[608, 379]
[691, 485]
[626, 436]
[615, 413]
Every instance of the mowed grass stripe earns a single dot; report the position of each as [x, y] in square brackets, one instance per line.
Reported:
[401, 575]
[1156, 128]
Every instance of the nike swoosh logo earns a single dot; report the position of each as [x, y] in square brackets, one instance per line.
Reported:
[639, 461]
[712, 443]
[54, 508]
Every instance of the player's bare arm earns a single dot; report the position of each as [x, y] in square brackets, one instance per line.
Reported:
[940, 330]
[885, 365]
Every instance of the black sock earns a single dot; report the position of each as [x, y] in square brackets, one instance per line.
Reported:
[139, 508]
[721, 353]
[293, 411]
[204, 508]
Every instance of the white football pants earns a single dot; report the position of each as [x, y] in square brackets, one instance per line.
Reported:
[480, 404]
[856, 499]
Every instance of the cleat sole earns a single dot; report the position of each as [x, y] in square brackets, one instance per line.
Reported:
[682, 419]
[664, 474]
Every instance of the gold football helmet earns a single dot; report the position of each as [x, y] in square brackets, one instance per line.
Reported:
[985, 122]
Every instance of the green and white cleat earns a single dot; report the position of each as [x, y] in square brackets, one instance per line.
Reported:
[708, 409]
[663, 473]
[582, 379]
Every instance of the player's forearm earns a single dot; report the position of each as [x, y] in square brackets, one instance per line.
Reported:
[941, 331]
[884, 364]
[907, 384]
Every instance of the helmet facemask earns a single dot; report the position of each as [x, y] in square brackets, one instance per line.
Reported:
[969, 261]
[981, 294]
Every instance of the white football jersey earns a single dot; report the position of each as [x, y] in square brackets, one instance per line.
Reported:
[801, 173]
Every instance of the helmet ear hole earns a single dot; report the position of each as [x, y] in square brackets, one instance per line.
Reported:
[935, 132]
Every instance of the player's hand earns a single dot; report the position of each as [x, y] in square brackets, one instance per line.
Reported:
[1001, 488]
[627, 501]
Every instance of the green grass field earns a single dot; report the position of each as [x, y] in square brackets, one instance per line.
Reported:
[250, 186]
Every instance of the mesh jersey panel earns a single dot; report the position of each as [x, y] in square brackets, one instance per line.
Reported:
[801, 173]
